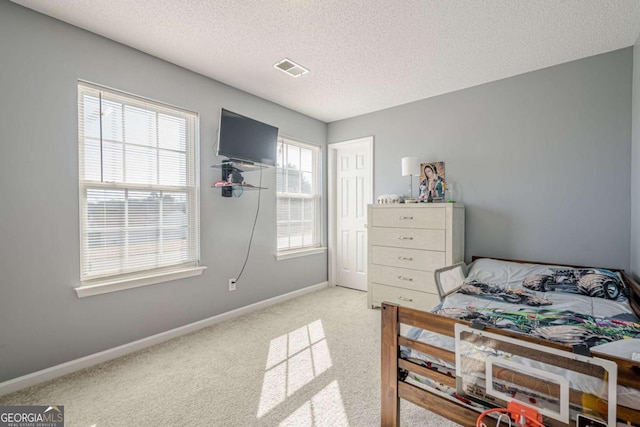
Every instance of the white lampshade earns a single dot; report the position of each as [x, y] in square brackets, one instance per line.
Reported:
[410, 166]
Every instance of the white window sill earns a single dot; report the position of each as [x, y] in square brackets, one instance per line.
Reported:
[135, 282]
[299, 252]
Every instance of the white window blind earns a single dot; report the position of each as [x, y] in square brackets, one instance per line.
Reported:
[298, 199]
[138, 185]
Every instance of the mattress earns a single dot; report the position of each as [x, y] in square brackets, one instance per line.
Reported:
[605, 324]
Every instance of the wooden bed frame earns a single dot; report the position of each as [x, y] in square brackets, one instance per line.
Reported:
[393, 388]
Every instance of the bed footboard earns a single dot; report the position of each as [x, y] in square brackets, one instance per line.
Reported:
[394, 388]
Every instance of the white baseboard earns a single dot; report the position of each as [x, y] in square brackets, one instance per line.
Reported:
[53, 372]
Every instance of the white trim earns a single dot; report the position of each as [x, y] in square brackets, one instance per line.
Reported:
[136, 282]
[53, 372]
[332, 192]
[191, 189]
[295, 253]
[299, 141]
[316, 151]
[138, 98]
[368, 139]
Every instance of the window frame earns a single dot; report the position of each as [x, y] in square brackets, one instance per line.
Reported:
[109, 282]
[317, 246]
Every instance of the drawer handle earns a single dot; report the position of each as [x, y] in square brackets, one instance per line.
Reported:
[406, 217]
[405, 238]
[404, 258]
[406, 299]
[408, 279]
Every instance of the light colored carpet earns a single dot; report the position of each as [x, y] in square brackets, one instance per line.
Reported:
[309, 362]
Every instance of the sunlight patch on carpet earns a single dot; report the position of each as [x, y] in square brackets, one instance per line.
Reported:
[294, 360]
[325, 409]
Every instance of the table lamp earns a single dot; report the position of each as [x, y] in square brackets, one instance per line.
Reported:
[410, 168]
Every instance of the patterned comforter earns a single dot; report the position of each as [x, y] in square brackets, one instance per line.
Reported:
[569, 306]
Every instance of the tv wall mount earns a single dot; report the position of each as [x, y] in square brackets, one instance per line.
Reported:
[232, 176]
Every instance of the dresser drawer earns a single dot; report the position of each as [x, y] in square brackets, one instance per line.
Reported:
[407, 258]
[409, 217]
[417, 280]
[406, 297]
[408, 238]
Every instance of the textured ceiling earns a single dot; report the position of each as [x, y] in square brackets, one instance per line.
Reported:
[364, 55]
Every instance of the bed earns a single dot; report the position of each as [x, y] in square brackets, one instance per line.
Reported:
[419, 365]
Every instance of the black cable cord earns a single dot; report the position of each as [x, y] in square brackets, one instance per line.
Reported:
[252, 229]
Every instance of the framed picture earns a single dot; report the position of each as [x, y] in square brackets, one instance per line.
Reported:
[432, 182]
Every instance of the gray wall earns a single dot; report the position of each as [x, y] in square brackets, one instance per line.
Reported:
[635, 165]
[542, 159]
[42, 322]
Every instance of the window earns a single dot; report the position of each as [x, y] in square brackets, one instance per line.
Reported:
[138, 186]
[298, 201]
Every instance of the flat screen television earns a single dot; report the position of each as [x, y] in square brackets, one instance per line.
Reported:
[246, 140]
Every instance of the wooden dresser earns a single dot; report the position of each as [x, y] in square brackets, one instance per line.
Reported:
[407, 242]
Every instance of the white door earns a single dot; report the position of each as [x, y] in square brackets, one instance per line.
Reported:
[353, 183]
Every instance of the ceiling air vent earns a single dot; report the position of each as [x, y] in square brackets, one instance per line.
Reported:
[291, 68]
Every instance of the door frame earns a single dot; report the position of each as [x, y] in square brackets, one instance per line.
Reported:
[332, 194]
